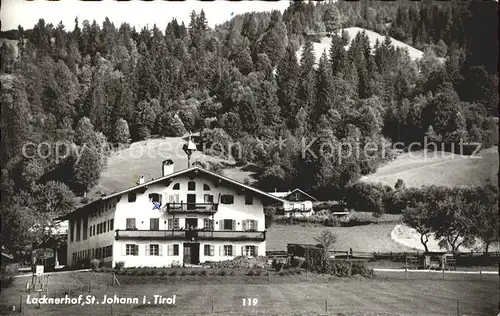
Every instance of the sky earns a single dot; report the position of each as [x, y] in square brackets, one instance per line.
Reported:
[137, 13]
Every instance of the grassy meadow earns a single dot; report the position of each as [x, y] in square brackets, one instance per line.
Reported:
[387, 294]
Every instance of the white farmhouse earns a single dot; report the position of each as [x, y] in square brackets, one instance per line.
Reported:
[185, 217]
[298, 203]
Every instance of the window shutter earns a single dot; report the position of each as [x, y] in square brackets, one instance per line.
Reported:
[212, 250]
[221, 224]
[221, 251]
[234, 251]
[256, 250]
[233, 225]
[124, 250]
[256, 225]
[244, 222]
[205, 223]
[243, 250]
[169, 224]
[147, 250]
[160, 250]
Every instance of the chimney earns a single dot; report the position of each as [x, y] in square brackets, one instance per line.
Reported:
[168, 167]
[141, 179]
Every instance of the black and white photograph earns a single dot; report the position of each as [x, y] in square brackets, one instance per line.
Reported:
[267, 158]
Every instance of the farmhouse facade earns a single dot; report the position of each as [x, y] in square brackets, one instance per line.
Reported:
[298, 203]
[183, 218]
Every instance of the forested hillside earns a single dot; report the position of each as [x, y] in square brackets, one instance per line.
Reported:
[90, 86]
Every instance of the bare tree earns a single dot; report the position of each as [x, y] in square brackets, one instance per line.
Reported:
[327, 238]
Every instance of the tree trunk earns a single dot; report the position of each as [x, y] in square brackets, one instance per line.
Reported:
[424, 242]
[487, 245]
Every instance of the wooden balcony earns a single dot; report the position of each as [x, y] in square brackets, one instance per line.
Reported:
[191, 235]
[202, 208]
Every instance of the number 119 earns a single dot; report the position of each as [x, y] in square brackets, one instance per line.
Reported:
[250, 301]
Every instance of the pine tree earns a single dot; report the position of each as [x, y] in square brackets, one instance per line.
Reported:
[121, 132]
[338, 56]
[288, 84]
[324, 88]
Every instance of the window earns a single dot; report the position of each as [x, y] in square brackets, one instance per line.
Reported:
[94, 233]
[154, 250]
[249, 251]
[132, 196]
[155, 197]
[154, 224]
[85, 228]
[191, 186]
[208, 224]
[176, 186]
[208, 198]
[172, 250]
[206, 187]
[227, 224]
[227, 199]
[173, 223]
[111, 224]
[130, 223]
[228, 251]
[131, 250]
[90, 232]
[248, 199]
[99, 229]
[173, 198]
[209, 250]
[250, 225]
[78, 230]
[104, 227]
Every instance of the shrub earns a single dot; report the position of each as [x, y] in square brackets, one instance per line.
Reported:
[222, 273]
[183, 273]
[7, 275]
[347, 268]
[94, 263]
[173, 273]
[250, 273]
[119, 265]
[281, 273]
[192, 273]
[203, 272]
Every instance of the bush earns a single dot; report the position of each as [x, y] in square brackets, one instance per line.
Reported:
[192, 273]
[95, 263]
[173, 273]
[203, 272]
[183, 273]
[119, 265]
[347, 268]
[250, 273]
[7, 275]
[222, 273]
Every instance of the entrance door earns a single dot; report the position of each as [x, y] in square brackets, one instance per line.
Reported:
[191, 223]
[191, 201]
[191, 253]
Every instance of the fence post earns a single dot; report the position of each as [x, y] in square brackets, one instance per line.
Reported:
[212, 305]
[89, 286]
[480, 275]
[20, 303]
[326, 306]
[443, 274]
[458, 308]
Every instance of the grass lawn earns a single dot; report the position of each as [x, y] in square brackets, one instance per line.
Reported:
[388, 294]
[365, 238]
[420, 168]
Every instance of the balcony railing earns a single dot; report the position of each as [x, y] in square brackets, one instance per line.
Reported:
[191, 235]
[206, 208]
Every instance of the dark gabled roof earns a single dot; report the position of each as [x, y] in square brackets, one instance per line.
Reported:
[172, 175]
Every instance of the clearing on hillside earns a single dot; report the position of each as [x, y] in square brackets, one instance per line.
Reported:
[145, 157]
[439, 168]
[372, 36]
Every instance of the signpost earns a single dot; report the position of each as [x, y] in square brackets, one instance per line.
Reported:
[39, 270]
